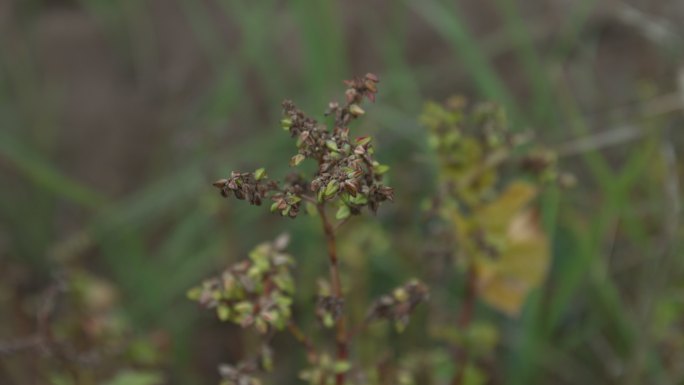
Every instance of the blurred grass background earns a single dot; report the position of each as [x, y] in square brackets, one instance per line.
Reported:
[115, 116]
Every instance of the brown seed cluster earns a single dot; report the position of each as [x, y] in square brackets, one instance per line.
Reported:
[399, 305]
[347, 171]
[246, 185]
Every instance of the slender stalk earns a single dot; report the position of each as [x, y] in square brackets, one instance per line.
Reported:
[299, 335]
[340, 325]
[461, 355]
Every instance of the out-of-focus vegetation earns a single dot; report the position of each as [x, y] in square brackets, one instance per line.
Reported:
[115, 117]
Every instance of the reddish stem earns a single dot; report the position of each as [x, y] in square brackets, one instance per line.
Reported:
[340, 325]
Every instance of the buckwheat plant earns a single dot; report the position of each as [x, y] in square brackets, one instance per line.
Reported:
[257, 292]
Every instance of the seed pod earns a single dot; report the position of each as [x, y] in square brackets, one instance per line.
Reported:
[355, 110]
[363, 140]
[351, 187]
[351, 95]
[331, 145]
[332, 188]
[260, 174]
[296, 160]
[220, 183]
[372, 77]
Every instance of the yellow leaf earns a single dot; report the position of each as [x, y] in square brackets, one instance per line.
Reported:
[495, 217]
[522, 265]
[504, 294]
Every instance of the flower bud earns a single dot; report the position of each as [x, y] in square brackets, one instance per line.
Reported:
[296, 160]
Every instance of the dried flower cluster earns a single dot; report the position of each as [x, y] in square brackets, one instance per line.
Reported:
[328, 307]
[240, 374]
[398, 306]
[325, 370]
[244, 372]
[247, 185]
[347, 171]
[254, 292]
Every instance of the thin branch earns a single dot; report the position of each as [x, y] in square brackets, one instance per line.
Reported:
[309, 199]
[299, 335]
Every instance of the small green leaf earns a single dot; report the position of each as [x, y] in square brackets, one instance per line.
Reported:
[244, 307]
[341, 367]
[260, 174]
[343, 212]
[328, 320]
[331, 188]
[286, 123]
[223, 312]
[381, 169]
[285, 282]
[359, 199]
[400, 294]
[283, 302]
[311, 209]
[331, 145]
[194, 293]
